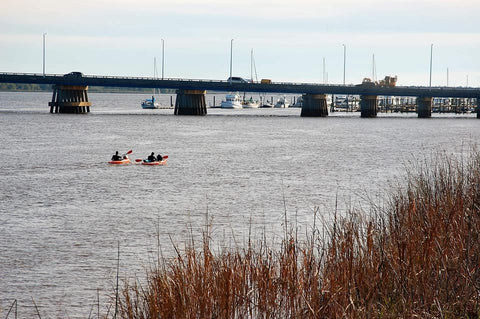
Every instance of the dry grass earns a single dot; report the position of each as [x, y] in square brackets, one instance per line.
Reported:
[419, 256]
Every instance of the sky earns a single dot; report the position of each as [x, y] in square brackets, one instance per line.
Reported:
[290, 39]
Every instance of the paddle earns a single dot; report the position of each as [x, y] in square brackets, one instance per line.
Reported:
[125, 155]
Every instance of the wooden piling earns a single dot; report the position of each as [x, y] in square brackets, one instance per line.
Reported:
[368, 106]
[424, 106]
[190, 102]
[70, 99]
[314, 105]
[478, 107]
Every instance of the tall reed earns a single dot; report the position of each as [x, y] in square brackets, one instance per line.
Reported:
[417, 256]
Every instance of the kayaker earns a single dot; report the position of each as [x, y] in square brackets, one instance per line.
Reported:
[159, 158]
[116, 157]
[151, 157]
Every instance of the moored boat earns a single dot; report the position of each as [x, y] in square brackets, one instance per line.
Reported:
[232, 101]
[150, 104]
[298, 102]
[282, 103]
[250, 104]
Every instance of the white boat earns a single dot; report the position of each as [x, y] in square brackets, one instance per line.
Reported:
[232, 101]
[250, 104]
[298, 102]
[282, 103]
[150, 104]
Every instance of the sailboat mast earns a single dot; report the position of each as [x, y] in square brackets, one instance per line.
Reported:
[373, 68]
[154, 71]
[251, 66]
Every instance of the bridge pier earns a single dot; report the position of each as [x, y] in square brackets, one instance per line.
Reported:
[368, 105]
[478, 107]
[314, 105]
[69, 99]
[190, 102]
[424, 106]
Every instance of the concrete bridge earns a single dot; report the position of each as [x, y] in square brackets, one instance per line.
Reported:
[70, 92]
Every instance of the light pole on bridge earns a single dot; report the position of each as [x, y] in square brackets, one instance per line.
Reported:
[431, 58]
[231, 57]
[344, 61]
[44, 36]
[163, 57]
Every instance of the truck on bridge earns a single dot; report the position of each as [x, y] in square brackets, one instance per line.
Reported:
[388, 81]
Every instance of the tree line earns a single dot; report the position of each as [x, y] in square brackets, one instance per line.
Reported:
[12, 87]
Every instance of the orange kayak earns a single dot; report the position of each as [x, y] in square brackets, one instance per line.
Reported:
[162, 162]
[123, 161]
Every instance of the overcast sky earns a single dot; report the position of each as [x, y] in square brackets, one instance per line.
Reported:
[289, 38]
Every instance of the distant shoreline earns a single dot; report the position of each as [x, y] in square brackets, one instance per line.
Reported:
[13, 87]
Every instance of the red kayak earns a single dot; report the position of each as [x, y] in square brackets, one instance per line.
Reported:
[121, 162]
[162, 162]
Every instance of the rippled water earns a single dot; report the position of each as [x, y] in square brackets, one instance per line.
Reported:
[63, 209]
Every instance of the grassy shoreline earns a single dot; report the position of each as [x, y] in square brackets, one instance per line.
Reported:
[416, 256]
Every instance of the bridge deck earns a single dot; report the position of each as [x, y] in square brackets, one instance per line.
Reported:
[225, 86]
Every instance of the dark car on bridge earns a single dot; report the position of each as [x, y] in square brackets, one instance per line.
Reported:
[74, 74]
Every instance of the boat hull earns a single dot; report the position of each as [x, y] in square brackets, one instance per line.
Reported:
[251, 106]
[121, 162]
[156, 163]
[231, 106]
[150, 107]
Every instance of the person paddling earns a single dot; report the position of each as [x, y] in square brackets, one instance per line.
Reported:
[116, 157]
[151, 157]
[159, 158]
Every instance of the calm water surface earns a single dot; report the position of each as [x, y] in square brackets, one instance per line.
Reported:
[63, 209]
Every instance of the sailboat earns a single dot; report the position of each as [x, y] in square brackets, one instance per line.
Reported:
[150, 103]
[251, 103]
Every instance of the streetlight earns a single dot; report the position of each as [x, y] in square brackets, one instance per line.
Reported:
[44, 35]
[447, 77]
[231, 57]
[344, 61]
[431, 58]
[324, 71]
[163, 57]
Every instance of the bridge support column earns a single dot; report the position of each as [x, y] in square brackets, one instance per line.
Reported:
[190, 102]
[424, 106]
[368, 105]
[478, 107]
[314, 105]
[69, 99]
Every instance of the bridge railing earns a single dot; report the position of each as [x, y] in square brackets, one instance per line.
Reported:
[295, 84]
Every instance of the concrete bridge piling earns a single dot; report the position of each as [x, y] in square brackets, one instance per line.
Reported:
[190, 102]
[69, 99]
[314, 105]
[478, 107]
[424, 106]
[368, 105]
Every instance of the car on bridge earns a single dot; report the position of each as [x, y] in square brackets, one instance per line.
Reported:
[74, 74]
[237, 79]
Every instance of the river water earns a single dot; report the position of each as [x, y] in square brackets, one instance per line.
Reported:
[64, 210]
